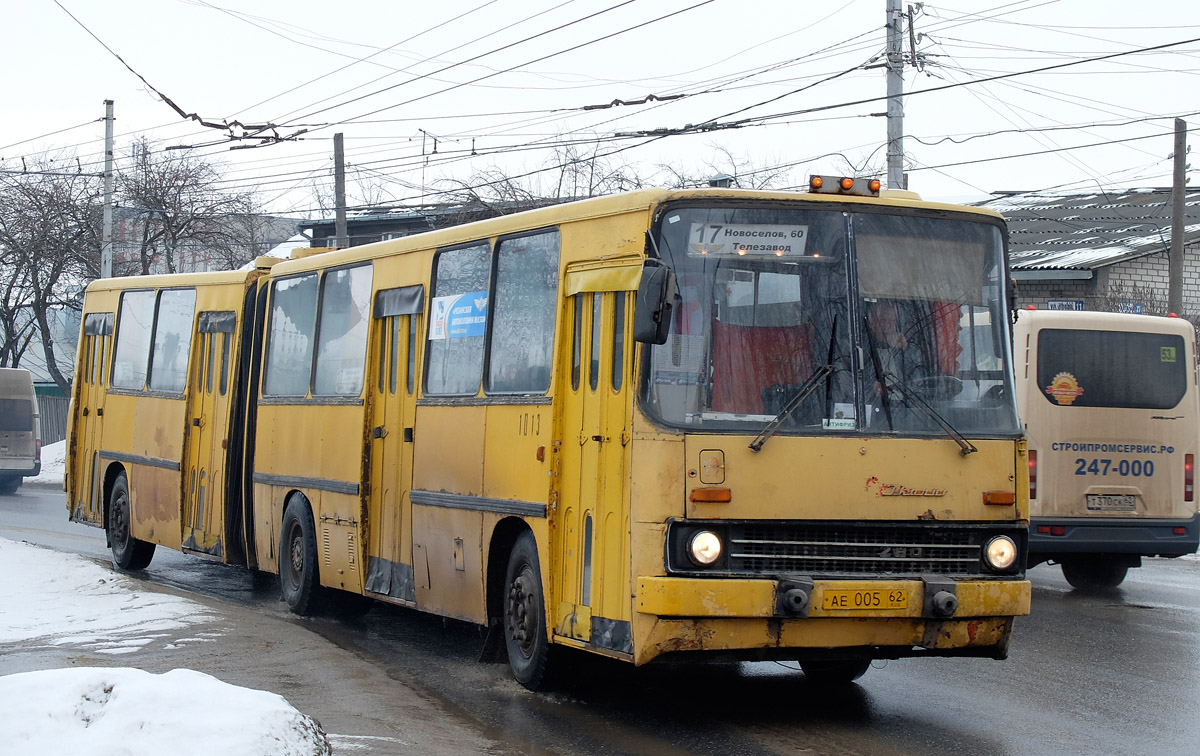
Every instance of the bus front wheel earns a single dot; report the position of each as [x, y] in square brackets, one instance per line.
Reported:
[1094, 572]
[128, 553]
[525, 634]
[298, 558]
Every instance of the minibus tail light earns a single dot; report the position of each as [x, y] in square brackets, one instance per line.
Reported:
[1033, 474]
[1189, 477]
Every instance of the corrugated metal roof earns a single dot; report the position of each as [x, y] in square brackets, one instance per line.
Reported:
[1058, 231]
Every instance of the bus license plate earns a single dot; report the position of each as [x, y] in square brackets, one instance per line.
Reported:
[864, 600]
[1111, 503]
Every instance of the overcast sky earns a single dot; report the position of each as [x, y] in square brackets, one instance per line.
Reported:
[509, 80]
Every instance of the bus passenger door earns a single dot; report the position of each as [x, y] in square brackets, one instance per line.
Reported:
[208, 393]
[592, 600]
[394, 345]
[89, 417]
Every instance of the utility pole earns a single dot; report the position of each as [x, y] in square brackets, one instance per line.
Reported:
[106, 249]
[339, 193]
[1175, 275]
[895, 93]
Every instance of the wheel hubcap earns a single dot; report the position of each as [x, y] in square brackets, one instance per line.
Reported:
[522, 611]
[296, 560]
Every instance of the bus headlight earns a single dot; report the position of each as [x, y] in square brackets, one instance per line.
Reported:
[1000, 553]
[704, 548]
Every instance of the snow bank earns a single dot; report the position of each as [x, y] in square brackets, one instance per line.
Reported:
[113, 712]
[54, 464]
[49, 599]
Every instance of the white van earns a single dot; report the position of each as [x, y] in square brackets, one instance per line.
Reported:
[20, 432]
[1109, 403]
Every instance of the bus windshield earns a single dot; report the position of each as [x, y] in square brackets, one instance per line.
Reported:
[767, 312]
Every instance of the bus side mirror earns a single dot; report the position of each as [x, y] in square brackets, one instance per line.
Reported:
[655, 303]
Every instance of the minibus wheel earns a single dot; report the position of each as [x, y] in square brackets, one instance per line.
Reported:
[9, 486]
[128, 553]
[834, 671]
[1093, 572]
[525, 634]
[298, 558]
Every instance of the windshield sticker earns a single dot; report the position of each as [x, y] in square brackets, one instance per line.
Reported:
[746, 239]
[1065, 389]
[458, 316]
[1166, 354]
[837, 423]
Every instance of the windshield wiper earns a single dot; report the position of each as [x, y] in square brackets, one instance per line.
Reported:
[890, 379]
[802, 393]
[810, 385]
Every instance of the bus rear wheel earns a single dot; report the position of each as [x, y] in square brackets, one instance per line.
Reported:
[128, 553]
[298, 558]
[835, 671]
[525, 636]
[1094, 572]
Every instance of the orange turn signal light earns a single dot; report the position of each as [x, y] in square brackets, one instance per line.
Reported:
[999, 498]
[816, 182]
[711, 495]
[847, 183]
[874, 185]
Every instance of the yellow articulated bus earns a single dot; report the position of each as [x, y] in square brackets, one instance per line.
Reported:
[664, 424]
[1112, 418]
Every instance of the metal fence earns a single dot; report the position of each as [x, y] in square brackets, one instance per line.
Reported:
[53, 410]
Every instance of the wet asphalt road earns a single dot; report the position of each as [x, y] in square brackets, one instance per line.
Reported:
[1117, 673]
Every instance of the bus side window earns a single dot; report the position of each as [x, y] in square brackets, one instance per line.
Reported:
[594, 366]
[618, 350]
[412, 353]
[576, 341]
[458, 311]
[131, 355]
[290, 336]
[342, 332]
[522, 336]
[172, 339]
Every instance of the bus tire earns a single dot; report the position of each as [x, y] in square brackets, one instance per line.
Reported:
[1091, 572]
[830, 672]
[298, 558]
[128, 553]
[525, 635]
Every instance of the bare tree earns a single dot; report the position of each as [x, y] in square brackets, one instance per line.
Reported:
[49, 249]
[178, 208]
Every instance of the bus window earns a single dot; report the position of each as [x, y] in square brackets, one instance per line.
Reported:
[412, 352]
[594, 366]
[576, 341]
[520, 355]
[342, 336]
[290, 341]
[172, 340]
[458, 319]
[1111, 368]
[618, 353]
[132, 352]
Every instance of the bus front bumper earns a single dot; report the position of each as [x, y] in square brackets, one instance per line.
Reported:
[1052, 536]
[886, 619]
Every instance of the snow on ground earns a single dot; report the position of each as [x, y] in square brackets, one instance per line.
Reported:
[106, 711]
[54, 463]
[48, 599]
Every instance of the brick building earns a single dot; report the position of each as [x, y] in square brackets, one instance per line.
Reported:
[1100, 251]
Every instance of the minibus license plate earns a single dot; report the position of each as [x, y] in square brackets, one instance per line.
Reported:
[864, 600]
[1111, 503]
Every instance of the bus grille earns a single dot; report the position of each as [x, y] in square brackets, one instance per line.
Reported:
[862, 550]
